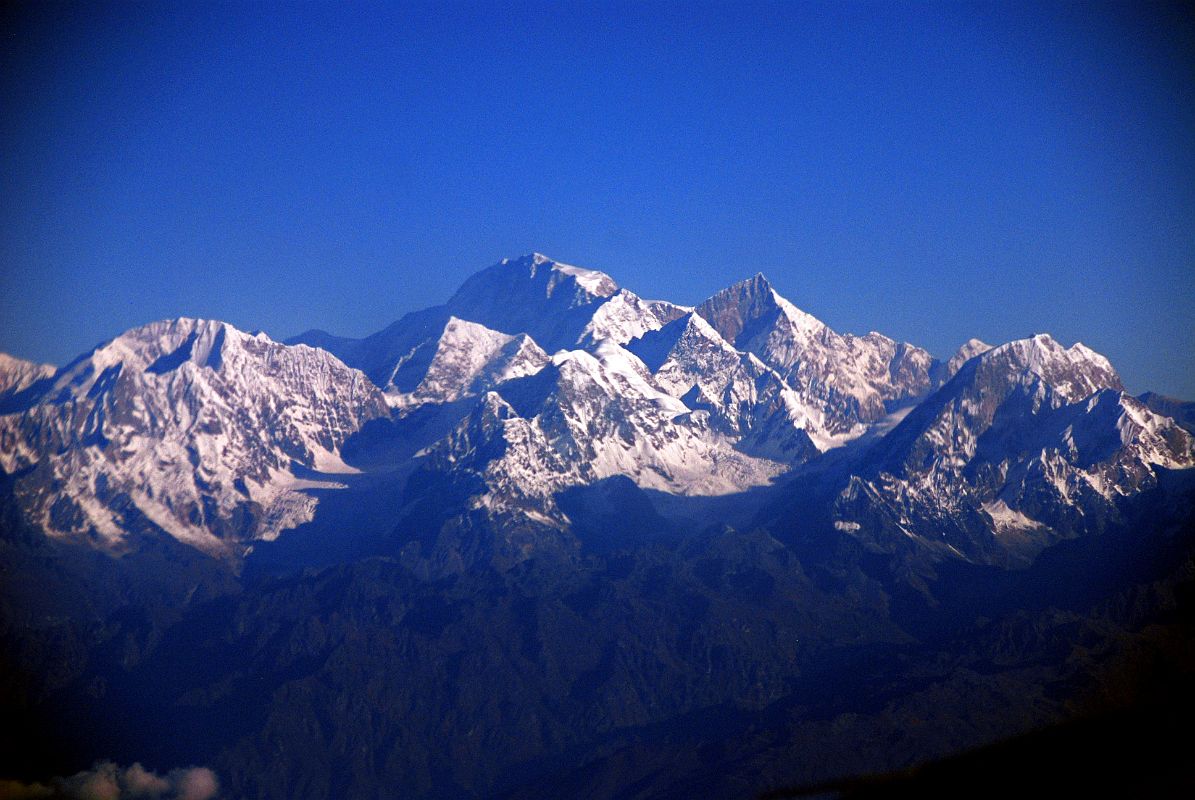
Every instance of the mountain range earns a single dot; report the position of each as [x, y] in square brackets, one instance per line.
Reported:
[550, 532]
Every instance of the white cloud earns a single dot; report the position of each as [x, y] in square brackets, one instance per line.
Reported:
[196, 783]
[107, 781]
[140, 782]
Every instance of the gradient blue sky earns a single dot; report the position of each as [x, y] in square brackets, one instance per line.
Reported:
[933, 171]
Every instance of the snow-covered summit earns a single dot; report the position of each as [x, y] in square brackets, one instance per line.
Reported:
[1075, 372]
[597, 284]
[159, 348]
[536, 377]
[744, 397]
[626, 316]
[469, 358]
[557, 306]
[1030, 433]
[969, 349]
[17, 374]
[682, 335]
[192, 426]
[550, 302]
[585, 417]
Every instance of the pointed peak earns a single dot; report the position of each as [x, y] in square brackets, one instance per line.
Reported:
[734, 309]
[454, 322]
[757, 285]
[1091, 355]
[695, 321]
[756, 281]
[525, 341]
[493, 405]
[655, 347]
[458, 333]
[969, 349]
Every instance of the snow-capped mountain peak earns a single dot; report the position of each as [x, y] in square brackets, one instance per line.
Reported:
[558, 306]
[157, 348]
[192, 426]
[215, 436]
[465, 359]
[855, 378]
[744, 397]
[739, 310]
[586, 417]
[551, 302]
[654, 348]
[598, 284]
[626, 316]
[532, 275]
[1074, 372]
[969, 349]
[1037, 439]
[17, 374]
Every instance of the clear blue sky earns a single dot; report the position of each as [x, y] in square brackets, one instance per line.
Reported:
[933, 171]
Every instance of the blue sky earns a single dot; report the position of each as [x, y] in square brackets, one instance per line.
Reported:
[934, 171]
